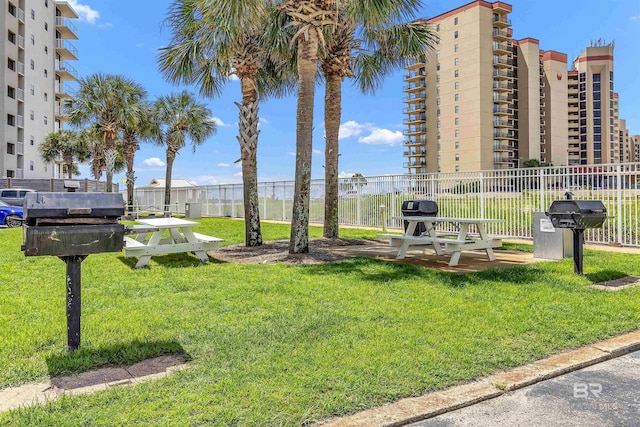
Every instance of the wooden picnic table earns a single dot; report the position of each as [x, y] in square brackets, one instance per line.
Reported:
[148, 239]
[463, 240]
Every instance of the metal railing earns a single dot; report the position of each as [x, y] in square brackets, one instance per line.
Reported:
[509, 194]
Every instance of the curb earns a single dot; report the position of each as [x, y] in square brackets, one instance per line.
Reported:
[414, 409]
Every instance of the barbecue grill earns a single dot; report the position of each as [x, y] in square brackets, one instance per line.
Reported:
[418, 208]
[577, 215]
[72, 226]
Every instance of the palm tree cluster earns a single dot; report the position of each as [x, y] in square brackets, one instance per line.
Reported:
[112, 115]
[273, 46]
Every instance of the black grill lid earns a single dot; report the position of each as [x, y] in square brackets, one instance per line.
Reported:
[578, 207]
[73, 205]
[419, 207]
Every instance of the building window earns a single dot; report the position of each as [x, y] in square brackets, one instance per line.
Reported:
[457, 168]
[438, 112]
[595, 77]
[11, 120]
[46, 122]
[437, 101]
[455, 35]
[31, 140]
[32, 89]
[437, 27]
[437, 78]
[33, 40]
[457, 121]
[46, 96]
[456, 97]
[456, 109]
[439, 146]
[457, 133]
[437, 90]
[12, 9]
[11, 92]
[11, 64]
[455, 74]
[46, 26]
[32, 64]
[457, 157]
[11, 148]
[438, 66]
[456, 62]
[455, 47]
[33, 14]
[456, 85]
[46, 50]
[438, 54]
[46, 73]
[438, 135]
[438, 158]
[31, 165]
[32, 114]
[457, 145]
[12, 37]
[455, 21]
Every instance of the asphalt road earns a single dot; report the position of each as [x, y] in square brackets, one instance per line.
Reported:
[606, 394]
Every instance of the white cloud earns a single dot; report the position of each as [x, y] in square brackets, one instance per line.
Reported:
[233, 78]
[223, 165]
[238, 174]
[317, 152]
[263, 120]
[353, 128]
[218, 122]
[291, 153]
[382, 137]
[239, 165]
[85, 12]
[153, 161]
[635, 18]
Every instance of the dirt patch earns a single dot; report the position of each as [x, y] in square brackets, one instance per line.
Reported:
[320, 251]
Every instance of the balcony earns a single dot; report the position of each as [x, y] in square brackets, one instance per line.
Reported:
[66, 28]
[422, 152]
[501, 22]
[66, 71]
[415, 96]
[500, 74]
[415, 75]
[58, 110]
[61, 91]
[416, 140]
[21, 15]
[414, 119]
[502, 110]
[66, 50]
[416, 85]
[414, 164]
[502, 123]
[502, 62]
[501, 48]
[21, 42]
[20, 94]
[20, 148]
[502, 99]
[499, 34]
[419, 107]
[65, 9]
[502, 134]
[416, 130]
[503, 148]
[502, 86]
[21, 68]
[20, 121]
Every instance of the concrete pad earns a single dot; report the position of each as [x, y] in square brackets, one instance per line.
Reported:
[548, 368]
[618, 284]
[155, 365]
[91, 378]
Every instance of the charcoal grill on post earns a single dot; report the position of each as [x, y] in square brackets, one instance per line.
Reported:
[418, 208]
[577, 215]
[72, 226]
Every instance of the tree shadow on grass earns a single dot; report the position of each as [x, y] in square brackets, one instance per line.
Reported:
[121, 354]
[179, 260]
[604, 275]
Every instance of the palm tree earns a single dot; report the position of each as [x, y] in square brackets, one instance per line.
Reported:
[138, 127]
[65, 145]
[366, 54]
[211, 42]
[105, 101]
[180, 118]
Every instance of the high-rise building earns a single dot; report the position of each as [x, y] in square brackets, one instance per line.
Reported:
[483, 100]
[35, 52]
[634, 142]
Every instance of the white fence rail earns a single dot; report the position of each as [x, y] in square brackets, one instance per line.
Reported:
[513, 195]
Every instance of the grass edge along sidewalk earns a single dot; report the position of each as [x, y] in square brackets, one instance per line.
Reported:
[291, 345]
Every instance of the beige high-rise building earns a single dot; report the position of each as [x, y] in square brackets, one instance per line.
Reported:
[634, 142]
[482, 100]
[35, 51]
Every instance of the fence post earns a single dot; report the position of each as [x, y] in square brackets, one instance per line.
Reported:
[358, 202]
[482, 207]
[619, 197]
[542, 187]
[392, 208]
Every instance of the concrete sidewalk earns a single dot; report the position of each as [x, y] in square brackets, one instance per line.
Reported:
[415, 409]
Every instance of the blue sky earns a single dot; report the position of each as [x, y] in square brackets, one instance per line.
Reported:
[122, 37]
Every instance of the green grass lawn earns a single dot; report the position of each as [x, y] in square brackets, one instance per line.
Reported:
[288, 345]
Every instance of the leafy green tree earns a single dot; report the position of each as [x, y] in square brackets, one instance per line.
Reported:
[105, 101]
[139, 126]
[365, 53]
[181, 118]
[214, 41]
[65, 145]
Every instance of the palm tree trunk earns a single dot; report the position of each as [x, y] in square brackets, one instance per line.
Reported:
[307, 67]
[68, 163]
[248, 139]
[171, 155]
[131, 179]
[109, 148]
[332, 115]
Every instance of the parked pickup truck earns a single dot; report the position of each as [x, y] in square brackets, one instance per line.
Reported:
[14, 196]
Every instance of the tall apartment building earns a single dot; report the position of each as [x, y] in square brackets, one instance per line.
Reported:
[483, 100]
[35, 51]
[634, 142]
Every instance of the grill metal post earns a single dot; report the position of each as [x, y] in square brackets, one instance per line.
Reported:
[578, 242]
[74, 299]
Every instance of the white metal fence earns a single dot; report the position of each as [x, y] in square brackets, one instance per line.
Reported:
[513, 195]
